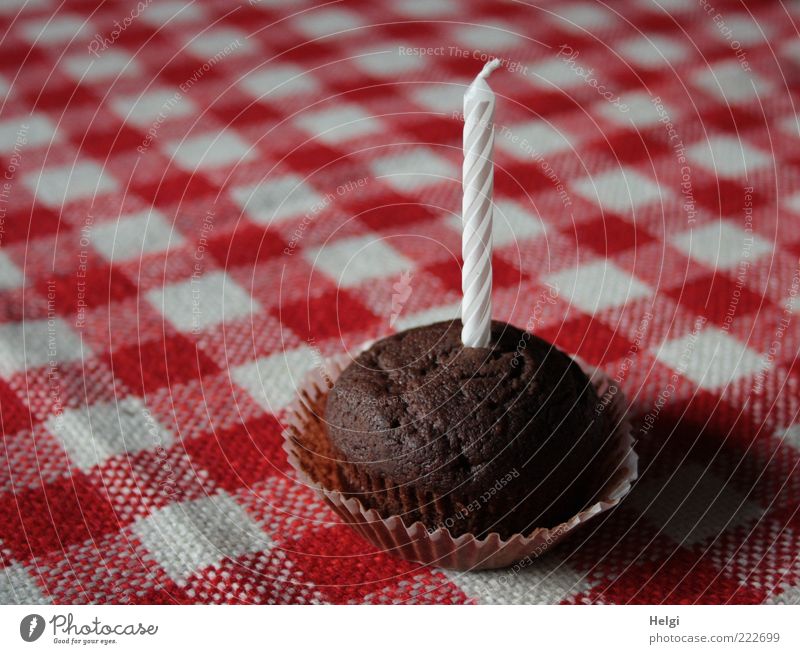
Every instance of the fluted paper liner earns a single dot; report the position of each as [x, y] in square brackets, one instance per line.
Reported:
[304, 421]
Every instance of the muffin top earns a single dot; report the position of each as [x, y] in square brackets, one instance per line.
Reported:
[419, 408]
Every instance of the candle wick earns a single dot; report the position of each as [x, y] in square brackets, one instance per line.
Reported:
[491, 65]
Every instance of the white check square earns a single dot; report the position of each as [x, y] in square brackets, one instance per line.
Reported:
[440, 98]
[33, 343]
[668, 6]
[555, 73]
[791, 437]
[692, 504]
[548, 581]
[722, 245]
[174, 13]
[514, 223]
[185, 537]
[785, 594]
[426, 8]
[790, 124]
[583, 17]
[30, 130]
[791, 49]
[133, 236]
[18, 586]
[640, 111]
[55, 29]
[712, 359]
[414, 169]
[747, 31]
[384, 60]
[279, 81]
[208, 151]
[58, 186]
[730, 83]
[218, 41]
[269, 5]
[524, 141]
[619, 190]
[13, 7]
[338, 124]
[488, 37]
[278, 198]
[354, 261]
[89, 68]
[597, 286]
[272, 380]
[10, 273]
[428, 316]
[152, 107]
[727, 156]
[653, 51]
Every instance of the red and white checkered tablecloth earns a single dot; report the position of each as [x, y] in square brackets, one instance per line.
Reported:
[200, 201]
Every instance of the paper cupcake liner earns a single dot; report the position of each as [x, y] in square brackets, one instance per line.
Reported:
[305, 442]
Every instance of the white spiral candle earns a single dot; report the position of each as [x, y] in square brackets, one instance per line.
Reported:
[476, 210]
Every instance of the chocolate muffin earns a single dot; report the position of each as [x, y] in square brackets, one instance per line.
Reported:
[477, 440]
